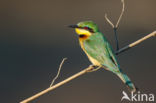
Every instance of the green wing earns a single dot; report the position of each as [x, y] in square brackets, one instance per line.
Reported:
[98, 48]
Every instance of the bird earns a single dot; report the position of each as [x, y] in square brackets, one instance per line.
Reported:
[99, 51]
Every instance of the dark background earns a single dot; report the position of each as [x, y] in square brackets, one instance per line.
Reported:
[34, 38]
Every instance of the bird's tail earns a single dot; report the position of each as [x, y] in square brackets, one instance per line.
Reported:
[127, 81]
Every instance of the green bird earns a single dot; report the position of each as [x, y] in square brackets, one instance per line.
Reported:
[99, 50]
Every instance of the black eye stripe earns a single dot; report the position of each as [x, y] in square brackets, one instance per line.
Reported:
[91, 30]
[87, 28]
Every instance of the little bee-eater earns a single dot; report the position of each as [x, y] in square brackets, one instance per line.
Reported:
[99, 51]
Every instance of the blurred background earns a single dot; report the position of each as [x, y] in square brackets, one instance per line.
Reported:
[34, 38]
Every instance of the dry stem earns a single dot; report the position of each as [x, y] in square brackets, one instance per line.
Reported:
[58, 72]
[58, 84]
[115, 27]
[123, 9]
[136, 42]
[121, 14]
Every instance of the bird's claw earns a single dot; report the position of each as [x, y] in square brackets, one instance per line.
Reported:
[94, 68]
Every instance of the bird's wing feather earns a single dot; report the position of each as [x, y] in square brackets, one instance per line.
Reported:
[112, 54]
[99, 48]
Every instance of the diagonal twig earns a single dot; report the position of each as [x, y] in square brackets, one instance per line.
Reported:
[58, 84]
[58, 72]
[123, 9]
[135, 43]
[108, 20]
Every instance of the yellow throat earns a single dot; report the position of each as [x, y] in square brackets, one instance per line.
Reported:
[82, 31]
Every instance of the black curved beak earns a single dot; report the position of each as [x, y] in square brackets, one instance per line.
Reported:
[73, 26]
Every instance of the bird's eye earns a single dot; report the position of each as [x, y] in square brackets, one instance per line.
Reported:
[86, 28]
[89, 29]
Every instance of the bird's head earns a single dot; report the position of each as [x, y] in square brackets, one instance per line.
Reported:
[85, 29]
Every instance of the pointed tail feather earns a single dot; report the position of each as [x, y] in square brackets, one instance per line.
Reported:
[127, 81]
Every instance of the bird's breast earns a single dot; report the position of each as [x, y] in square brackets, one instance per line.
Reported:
[93, 61]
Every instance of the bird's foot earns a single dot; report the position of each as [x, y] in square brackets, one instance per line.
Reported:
[94, 68]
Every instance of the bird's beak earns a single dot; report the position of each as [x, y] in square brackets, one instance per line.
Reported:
[73, 26]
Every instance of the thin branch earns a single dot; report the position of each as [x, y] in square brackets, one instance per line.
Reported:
[136, 43]
[115, 27]
[116, 39]
[109, 21]
[58, 72]
[93, 70]
[122, 12]
[89, 69]
[58, 84]
[119, 19]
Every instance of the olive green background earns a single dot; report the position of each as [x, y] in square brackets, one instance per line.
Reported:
[34, 38]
